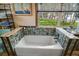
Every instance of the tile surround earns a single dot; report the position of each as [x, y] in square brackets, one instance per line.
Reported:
[39, 31]
[62, 38]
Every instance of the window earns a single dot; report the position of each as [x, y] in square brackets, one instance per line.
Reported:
[22, 8]
[58, 14]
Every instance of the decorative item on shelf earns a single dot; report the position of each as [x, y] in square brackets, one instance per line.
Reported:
[5, 23]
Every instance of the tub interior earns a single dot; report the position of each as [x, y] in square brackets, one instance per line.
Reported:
[38, 45]
[38, 40]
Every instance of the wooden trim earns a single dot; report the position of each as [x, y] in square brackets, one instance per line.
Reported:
[73, 47]
[10, 46]
[57, 11]
[67, 48]
[6, 49]
[36, 15]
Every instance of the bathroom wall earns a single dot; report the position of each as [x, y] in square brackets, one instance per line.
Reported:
[25, 20]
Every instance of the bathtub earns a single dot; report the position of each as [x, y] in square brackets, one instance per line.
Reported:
[38, 45]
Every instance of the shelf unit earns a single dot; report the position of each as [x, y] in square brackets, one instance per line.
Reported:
[6, 17]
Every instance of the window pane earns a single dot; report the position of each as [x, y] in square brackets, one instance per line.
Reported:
[57, 18]
[49, 7]
[68, 7]
[26, 6]
[49, 14]
[57, 7]
[47, 18]
[18, 7]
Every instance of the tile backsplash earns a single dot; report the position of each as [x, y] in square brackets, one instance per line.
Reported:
[14, 39]
[39, 31]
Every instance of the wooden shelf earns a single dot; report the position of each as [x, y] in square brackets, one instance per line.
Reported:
[6, 15]
[2, 9]
[5, 18]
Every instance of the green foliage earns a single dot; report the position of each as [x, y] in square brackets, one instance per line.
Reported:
[53, 22]
[50, 22]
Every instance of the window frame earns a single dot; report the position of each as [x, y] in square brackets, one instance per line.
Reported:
[37, 11]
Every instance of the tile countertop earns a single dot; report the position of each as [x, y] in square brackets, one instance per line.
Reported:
[13, 32]
[70, 35]
[73, 31]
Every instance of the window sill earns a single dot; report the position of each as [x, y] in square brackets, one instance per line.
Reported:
[51, 26]
[46, 26]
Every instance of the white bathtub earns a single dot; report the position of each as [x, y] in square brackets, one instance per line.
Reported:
[38, 45]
